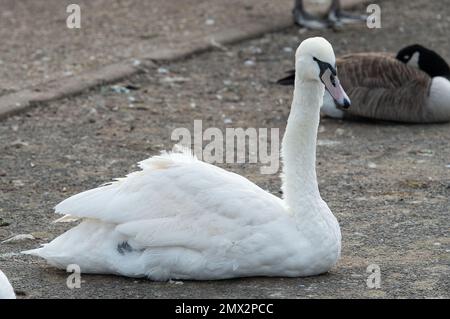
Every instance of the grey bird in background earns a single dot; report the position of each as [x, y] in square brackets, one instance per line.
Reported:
[335, 16]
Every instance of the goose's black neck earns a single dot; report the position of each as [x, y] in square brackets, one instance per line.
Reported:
[428, 61]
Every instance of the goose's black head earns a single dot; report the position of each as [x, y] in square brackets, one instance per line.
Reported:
[425, 59]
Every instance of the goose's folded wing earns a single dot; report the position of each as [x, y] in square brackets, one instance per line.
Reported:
[384, 88]
[170, 189]
[344, 61]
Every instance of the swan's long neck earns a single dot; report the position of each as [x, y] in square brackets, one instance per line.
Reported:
[300, 186]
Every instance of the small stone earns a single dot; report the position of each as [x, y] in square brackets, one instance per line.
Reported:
[210, 22]
[18, 183]
[327, 143]
[40, 235]
[175, 79]
[3, 223]
[18, 238]
[162, 70]
[249, 63]
[119, 89]
[18, 144]
[255, 50]
[425, 152]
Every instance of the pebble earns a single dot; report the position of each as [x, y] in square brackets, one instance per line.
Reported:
[18, 183]
[175, 79]
[249, 63]
[327, 143]
[18, 144]
[119, 89]
[18, 238]
[162, 70]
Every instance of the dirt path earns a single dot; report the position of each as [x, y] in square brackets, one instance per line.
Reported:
[388, 184]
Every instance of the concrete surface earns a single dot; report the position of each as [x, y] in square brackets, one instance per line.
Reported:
[388, 184]
[179, 30]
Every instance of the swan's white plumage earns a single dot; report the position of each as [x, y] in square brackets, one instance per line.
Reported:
[6, 290]
[181, 218]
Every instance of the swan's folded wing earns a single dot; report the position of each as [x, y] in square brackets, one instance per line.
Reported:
[6, 290]
[173, 186]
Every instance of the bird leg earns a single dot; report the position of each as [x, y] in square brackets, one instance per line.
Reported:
[337, 17]
[304, 19]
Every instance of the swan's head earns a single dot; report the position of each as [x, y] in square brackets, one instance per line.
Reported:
[315, 61]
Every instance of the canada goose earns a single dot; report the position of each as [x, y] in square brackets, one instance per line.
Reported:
[6, 290]
[181, 218]
[335, 16]
[381, 87]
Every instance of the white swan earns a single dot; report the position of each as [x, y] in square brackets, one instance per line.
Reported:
[180, 218]
[6, 290]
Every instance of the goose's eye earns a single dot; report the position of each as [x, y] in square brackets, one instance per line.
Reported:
[406, 57]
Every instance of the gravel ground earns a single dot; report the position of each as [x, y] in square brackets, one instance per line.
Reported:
[388, 184]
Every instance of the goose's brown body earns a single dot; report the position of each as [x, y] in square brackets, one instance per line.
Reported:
[383, 88]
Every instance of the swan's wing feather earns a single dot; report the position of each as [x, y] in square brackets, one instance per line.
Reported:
[174, 185]
[6, 290]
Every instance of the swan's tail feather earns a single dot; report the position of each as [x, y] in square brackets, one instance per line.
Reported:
[179, 154]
